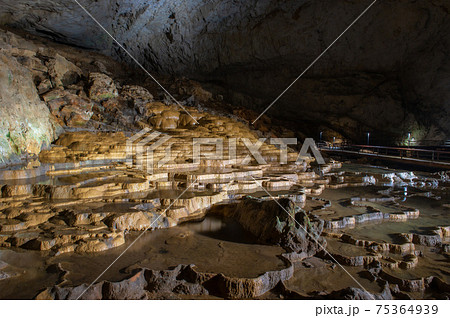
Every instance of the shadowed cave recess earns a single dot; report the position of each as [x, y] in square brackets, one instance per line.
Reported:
[382, 76]
[351, 221]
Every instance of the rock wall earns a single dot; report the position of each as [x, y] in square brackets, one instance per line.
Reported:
[26, 125]
[383, 75]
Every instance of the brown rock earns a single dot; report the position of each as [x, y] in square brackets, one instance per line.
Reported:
[44, 86]
[62, 72]
[71, 109]
[26, 125]
[102, 87]
[133, 92]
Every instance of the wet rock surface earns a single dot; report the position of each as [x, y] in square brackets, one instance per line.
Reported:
[278, 223]
[180, 281]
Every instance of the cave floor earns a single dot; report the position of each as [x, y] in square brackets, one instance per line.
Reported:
[410, 250]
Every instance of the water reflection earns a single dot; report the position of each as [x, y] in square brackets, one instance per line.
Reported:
[221, 229]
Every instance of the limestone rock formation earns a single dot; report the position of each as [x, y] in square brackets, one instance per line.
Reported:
[70, 109]
[102, 87]
[63, 72]
[390, 67]
[42, 89]
[85, 198]
[26, 125]
[279, 223]
[170, 284]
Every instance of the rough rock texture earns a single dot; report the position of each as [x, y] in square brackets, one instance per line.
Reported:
[382, 75]
[102, 87]
[26, 124]
[63, 72]
[72, 110]
[185, 280]
[171, 283]
[279, 223]
[90, 194]
[36, 72]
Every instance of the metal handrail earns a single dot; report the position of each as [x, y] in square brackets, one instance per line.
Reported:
[400, 152]
[401, 148]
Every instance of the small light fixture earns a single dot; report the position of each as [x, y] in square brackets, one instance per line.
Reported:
[368, 138]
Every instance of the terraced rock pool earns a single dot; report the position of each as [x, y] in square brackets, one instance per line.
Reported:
[385, 235]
